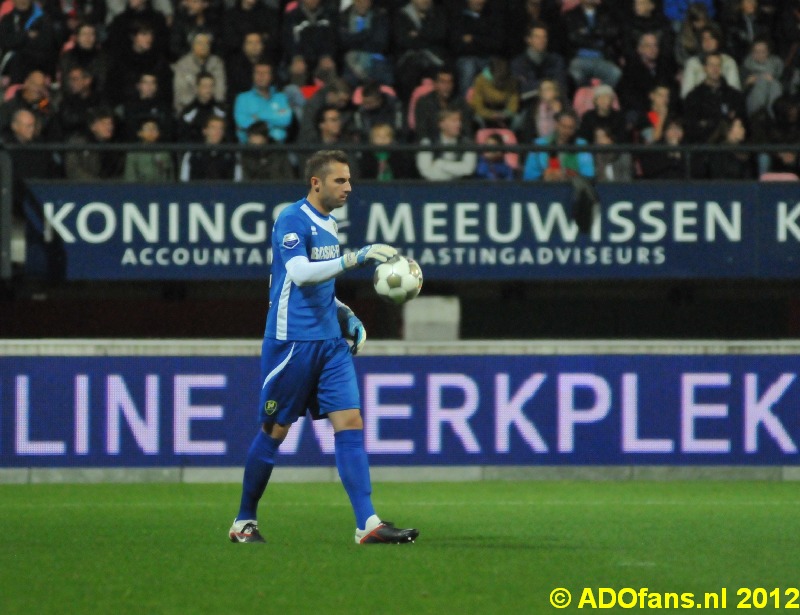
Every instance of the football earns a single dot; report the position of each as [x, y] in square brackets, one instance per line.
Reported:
[398, 280]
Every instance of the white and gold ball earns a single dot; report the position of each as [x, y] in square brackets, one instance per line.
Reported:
[398, 280]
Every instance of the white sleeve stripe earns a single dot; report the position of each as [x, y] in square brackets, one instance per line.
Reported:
[278, 369]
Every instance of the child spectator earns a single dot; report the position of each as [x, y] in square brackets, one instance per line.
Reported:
[259, 163]
[492, 164]
[385, 165]
[211, 163]
[149, 166]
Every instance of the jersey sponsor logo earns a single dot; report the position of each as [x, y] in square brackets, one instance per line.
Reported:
[271, 407]
[324, 253]
[290, 240]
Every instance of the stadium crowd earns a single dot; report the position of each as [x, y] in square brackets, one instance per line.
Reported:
[319, 73]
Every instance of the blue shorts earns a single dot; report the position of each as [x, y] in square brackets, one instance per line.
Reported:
[306, 375]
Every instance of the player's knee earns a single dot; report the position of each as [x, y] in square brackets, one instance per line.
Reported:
[350, 419]
[275, 431]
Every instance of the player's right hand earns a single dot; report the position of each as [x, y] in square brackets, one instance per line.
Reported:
[374, 253]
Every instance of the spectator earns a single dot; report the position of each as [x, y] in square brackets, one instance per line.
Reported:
[646, 18]
[92, 165]
[643, 71]
[666, 164]
[611, 166]
[263, 164]
[593, 35]
[437, 165]
[364, 39]
[687, 43]
[193, 116]
[710, 102]
[539, 120]
[248, 17]
[420, 43]
[34, 95]
[336, 94]
[537, 63]
[327, 134]
[604, 114]
[650, 128]
[309, 37]
[262, 102]
[787, 33]
[492, 164]
[559, 165]
[522, 13]
[28, 162]
[474, 28]
[191, 18]
[199, 59]
[87, 54]
[79, 97]
[149, 166]
[677, 11]
[744, 27]
[211, 163]
[147, 103]
[239, 66]
[377, 107]
[383, 165]
[443, 97]
[115, 7]
[141, 56]
[138, 16]
[27, 41]
[495, 98]
[761, 77]
[694, 72]
[731, 164]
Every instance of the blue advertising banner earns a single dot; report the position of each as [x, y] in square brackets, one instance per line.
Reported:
[418, 410]
[467, 231]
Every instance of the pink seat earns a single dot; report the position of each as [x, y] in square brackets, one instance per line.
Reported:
[425, 87]
[11, 91]
[778, 177]
[508, 137]
[358, 93]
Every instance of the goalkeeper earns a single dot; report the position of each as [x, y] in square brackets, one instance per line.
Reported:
[306, 364]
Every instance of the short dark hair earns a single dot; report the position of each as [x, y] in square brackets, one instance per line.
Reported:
[317, 164]
[258, 128]
[203, 74]
[99, 113]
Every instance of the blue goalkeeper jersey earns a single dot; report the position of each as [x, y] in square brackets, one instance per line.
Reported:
[302, 312]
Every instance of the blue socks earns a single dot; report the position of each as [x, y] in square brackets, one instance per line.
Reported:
[351, 461]
[257, 470]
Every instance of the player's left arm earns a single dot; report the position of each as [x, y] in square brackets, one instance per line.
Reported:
[351, 326]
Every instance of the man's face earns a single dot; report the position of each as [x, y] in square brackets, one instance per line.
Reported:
[147, 86]
[205, 89]
[643, 8]
[201, 46]
[24, 126]
[103, 128]
[86, 37]
[22, 5]
[713, 68]
[370, 103]
[566, 128]
[537, 40]
[648, 47]
[422, 5]
[35, 87]
[79, 82]
[142, 41]
[708, 42]
[334, 186]
[149, 132]
[262, 76]
[253, 46]
[444, 85]
[194, 7]
[214, 132]
[331, 124]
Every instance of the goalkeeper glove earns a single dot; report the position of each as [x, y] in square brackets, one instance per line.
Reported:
[352, 328]
[377, 252]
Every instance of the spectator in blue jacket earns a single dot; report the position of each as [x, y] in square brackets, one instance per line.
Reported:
[560, 165]
[262, 102]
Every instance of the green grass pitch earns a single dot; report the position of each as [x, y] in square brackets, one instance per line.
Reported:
[484, 548]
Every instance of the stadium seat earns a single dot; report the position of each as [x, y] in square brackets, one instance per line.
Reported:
[508, 137]
[358, 93]
[11, 91]
[583, 100]
[567, 5]
[778, 177]
[425, 87]
[6, 7]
